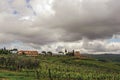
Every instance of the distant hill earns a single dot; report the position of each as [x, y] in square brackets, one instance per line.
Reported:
[106, 57]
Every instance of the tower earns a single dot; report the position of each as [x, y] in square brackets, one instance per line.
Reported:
[66, 51]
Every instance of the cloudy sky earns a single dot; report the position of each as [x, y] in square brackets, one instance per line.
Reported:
[91, 26]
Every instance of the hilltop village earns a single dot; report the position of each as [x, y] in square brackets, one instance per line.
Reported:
[36, 53]
[65, 65]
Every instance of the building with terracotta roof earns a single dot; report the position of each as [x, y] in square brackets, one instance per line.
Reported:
[28, 53]
[74, 53]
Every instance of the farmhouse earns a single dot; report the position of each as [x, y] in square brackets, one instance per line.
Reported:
[28, 53]
[76, 53]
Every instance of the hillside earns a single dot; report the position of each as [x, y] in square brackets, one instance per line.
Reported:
[106, 57]
[63, 68]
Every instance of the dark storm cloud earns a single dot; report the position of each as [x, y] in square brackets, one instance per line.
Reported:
[89, 18]
[60, 20]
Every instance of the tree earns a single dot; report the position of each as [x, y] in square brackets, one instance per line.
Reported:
[44, 52]
[49, 53]
[2, 61]
[4, 51]
[61, 52]
[4, 48]
[70, 54]
[15, 49]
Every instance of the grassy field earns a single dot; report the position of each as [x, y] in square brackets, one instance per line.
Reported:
[63, 68]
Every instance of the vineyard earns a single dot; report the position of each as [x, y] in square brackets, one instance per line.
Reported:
[14, 67]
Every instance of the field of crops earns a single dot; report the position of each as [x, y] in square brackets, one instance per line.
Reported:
[14, 67]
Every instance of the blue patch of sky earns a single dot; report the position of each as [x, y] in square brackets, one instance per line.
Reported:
[20, 45]
[114, 40]
[27, 1]
[12, 10]
[30, 7]
[10, 1]
[15, 12]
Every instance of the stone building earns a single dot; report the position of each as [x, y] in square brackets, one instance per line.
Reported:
[28, 53]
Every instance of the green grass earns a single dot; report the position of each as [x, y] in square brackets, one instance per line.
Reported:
[10, 75]
[66, 68]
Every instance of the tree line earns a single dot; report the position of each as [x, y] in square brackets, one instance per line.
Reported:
[6, 51]
[18, 63]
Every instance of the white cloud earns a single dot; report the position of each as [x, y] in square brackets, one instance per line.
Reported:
[57, 24]
[43, 7]
[86, 46]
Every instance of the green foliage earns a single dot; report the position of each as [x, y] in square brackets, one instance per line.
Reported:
[44, 52]
[13, 62]
[70, 54]
[4, 51]
[58, 68]
[49, 53]
[106, 57]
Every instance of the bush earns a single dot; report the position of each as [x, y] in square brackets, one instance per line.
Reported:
[19, 63]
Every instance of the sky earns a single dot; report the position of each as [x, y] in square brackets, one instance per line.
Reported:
[91, 26]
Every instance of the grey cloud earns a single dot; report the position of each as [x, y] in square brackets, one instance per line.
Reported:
[85, 46]
[59, 21]
[93, 19]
